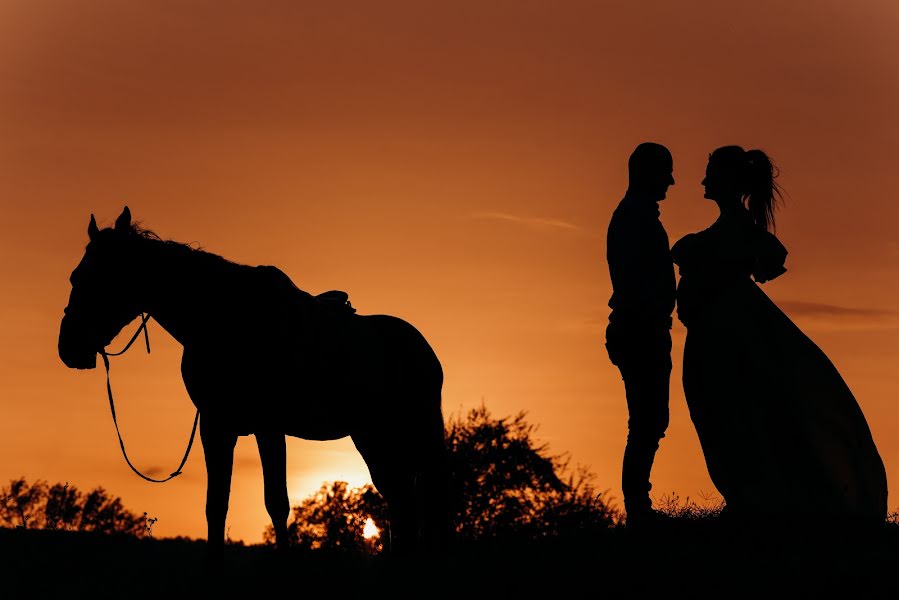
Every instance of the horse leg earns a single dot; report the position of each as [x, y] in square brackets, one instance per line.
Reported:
[273, 453]
[392, 473]
[218, 446]
[400, 495]
[398, 489]
[432, 486]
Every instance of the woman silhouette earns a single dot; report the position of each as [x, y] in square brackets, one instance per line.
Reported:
[781, 432]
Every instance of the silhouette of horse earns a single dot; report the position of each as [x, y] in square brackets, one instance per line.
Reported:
[263, 357]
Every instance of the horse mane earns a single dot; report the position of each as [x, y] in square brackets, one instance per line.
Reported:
[214, 262]
[193, 248]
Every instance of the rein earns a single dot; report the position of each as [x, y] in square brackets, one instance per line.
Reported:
[142, 328]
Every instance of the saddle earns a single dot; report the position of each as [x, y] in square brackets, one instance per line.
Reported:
[337, 302]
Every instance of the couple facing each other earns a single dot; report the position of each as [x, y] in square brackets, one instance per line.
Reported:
[781, 432]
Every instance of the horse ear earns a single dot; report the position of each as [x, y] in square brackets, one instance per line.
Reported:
[92, 229]
[123, 223]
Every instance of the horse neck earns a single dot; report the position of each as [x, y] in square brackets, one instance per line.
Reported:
[180, 289]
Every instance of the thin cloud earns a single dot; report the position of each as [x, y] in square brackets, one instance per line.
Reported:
[816, 315]
[245, 462]
[815, 309]
[162, 473]
[540, 223]
[832, 316]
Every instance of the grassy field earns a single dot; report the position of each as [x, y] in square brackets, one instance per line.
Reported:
[695, 558]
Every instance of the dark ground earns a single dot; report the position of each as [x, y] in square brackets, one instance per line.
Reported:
[701, 559]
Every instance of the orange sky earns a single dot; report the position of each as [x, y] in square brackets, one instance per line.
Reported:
[452, 163]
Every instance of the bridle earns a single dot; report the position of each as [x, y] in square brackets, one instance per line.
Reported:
[145, 317]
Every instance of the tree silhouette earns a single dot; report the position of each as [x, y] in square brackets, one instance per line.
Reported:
[334, 518]
[61, 506]
[20, 503]
[506, 487]
[102, 513]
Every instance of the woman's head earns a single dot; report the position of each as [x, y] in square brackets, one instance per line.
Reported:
[746, 176]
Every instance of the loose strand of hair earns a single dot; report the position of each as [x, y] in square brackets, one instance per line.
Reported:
[764, 195]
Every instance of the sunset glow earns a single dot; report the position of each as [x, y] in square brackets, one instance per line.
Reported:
[370, 530]
[455, 164]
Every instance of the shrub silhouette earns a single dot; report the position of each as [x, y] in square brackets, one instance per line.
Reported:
[506, 487]
[38, 505]
[63, 507]
[334, 518]
[20, 503]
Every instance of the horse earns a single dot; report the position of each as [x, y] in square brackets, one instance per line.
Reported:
[262, 357]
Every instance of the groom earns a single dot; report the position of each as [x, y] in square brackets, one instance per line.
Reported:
[638, 337]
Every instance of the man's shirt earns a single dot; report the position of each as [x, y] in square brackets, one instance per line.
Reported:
[640, 265]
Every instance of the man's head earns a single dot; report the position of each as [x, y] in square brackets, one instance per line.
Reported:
[650, 171]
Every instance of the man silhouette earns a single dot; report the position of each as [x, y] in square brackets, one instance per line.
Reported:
[638, 337]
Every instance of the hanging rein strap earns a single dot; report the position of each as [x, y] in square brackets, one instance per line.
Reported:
[143, 328]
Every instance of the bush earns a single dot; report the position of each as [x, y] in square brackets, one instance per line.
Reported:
[506, 487]
[61, 506]
[334, 518]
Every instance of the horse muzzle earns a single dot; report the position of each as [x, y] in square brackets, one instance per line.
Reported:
[72, 351]
[79, 361]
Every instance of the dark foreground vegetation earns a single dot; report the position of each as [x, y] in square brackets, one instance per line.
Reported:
[699, 558]
[526, 526]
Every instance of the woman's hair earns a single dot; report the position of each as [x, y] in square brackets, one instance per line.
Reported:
[755, 174]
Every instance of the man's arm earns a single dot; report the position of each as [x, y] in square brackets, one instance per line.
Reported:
[640, 284]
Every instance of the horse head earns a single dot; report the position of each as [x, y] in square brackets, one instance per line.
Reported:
[104, 293]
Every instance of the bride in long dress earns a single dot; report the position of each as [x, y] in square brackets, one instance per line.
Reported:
[780, 430]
